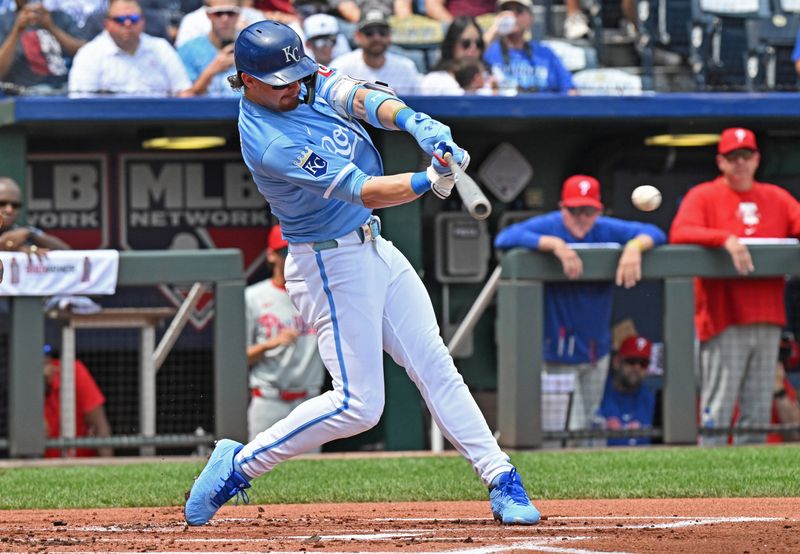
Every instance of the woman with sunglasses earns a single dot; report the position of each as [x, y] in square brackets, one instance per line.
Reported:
[462, 44]
[577, 316]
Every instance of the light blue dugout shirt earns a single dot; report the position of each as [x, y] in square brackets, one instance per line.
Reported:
[310, 165]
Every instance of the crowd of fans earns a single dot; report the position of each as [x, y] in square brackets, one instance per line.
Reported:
[184, 47]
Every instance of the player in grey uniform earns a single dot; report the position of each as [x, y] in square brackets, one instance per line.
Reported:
[322, 176]
[285, 366]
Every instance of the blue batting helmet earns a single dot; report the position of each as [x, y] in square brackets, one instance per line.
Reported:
[273, 53]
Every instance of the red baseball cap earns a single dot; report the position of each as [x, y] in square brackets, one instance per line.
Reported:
[275, 240]
[635, 347]
[581, 190]
[736, 138]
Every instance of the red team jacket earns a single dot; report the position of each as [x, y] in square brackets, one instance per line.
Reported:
[87, 397]
[708, 215]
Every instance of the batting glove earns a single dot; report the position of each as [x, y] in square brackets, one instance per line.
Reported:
[439, 173]
[427, 132]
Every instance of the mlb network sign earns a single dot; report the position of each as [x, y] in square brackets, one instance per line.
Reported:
[180, 201]
[67, 195]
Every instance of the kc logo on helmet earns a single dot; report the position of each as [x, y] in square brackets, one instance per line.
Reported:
[291, 53]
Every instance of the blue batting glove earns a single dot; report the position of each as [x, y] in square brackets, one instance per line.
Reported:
[427, 132]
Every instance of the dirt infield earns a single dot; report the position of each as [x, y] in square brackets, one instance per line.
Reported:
[577, 526]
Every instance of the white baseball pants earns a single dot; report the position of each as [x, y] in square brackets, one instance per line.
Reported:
[363, 299]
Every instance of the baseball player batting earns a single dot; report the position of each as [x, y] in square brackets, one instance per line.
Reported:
[322, 177]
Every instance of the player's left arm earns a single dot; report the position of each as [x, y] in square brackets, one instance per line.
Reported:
[378, 105]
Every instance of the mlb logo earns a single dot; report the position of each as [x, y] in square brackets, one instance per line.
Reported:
[312, 163]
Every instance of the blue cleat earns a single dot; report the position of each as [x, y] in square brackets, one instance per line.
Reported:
[217, 484]
[510, 502]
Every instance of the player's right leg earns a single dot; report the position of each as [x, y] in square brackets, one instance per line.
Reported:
[411, 337]
[346, 308]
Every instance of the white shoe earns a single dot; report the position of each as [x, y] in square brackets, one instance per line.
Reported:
[576, 26]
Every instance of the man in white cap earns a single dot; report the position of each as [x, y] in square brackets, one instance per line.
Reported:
[323, 38]
[371, 62]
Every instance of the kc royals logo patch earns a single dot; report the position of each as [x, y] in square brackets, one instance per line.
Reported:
[312, 163]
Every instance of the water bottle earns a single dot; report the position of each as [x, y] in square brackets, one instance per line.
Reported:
[506, 24]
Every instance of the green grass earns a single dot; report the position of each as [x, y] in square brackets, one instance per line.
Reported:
[607, 473]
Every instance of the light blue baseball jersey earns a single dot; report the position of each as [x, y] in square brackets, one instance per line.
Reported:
[309, 164]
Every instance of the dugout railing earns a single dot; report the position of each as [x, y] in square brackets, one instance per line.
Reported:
[520, 315]
[222, 269]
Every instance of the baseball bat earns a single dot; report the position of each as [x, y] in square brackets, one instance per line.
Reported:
[475, 201]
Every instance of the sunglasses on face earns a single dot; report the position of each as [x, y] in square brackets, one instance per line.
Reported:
[282, 87]
[322, 42]
[224, 13]
[641, 362]
[466, 43]
[516, 8]
[14, 205]
[379, 31]
[583, 211]
[133, 19]
[743, 154]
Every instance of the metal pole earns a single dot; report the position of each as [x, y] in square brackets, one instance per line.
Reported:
[176, 325]
[464, 329]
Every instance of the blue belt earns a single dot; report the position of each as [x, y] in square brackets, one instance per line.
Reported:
[369, 231]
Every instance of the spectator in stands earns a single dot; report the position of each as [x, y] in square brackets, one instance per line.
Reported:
[577, 333]
[576, 24]
[470, 75]
[447, 10]
[285, 366]
[15, 237]
[208, 59]
[125, 60]
[462, 42]
[86, 14]
[277, 10]
[738, 321]
[627, 402]
[372, 62]
[353, 10]
[197, 23]
[322, 34]
[520, 65]
[90, 413]
[38, 45]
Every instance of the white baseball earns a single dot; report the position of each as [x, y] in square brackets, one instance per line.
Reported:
[646, 197]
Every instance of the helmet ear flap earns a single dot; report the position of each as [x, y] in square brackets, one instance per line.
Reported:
[311, 87]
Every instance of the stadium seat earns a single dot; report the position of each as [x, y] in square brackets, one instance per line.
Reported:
[770, 44]
[663, 25]
[718, 48]
[785, 7]
[419, 38]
